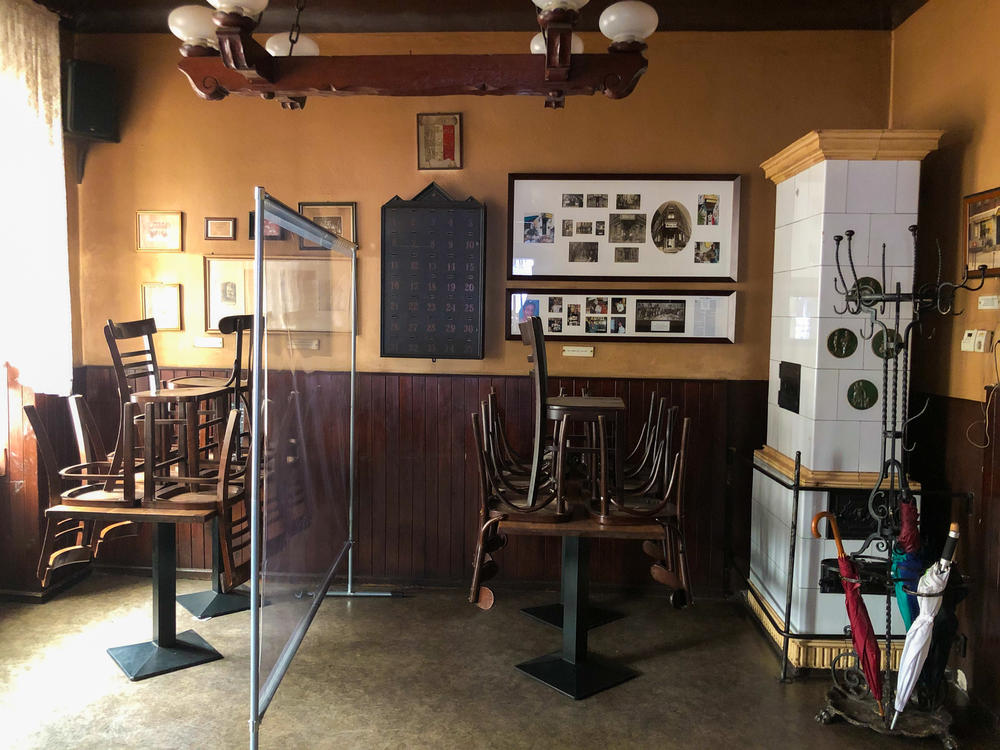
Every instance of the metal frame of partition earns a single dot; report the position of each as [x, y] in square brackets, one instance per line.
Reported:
[268, 207]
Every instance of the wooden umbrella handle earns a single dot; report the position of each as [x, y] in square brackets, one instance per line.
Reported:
[832, 520]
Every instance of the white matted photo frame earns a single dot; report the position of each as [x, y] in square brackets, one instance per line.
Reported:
[439, 140]
[982, 231]
[220, 227]
[337, 217]
[300, 294]
[159, 231]
[638, 227]
[626, 315]
[162, 302]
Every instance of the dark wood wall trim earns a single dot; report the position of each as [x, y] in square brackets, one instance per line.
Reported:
[945, 460]
[417, 490]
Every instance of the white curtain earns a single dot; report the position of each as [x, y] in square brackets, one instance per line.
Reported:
[35, 315]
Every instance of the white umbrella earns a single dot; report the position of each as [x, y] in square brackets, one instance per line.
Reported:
[918, 637]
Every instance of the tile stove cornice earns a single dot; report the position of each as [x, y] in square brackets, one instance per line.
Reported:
[860, 145]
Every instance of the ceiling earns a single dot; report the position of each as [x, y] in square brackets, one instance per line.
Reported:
[142, 16]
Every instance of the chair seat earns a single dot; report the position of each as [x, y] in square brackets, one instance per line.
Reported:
[93, 496]
[191, 500]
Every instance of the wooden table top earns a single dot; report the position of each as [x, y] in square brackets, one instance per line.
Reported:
[176, 395]
[582, 525]
[137, 514]
[200, 381]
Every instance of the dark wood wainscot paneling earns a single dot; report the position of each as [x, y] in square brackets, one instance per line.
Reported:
[417, 488]
[23, 487]
[945, 460]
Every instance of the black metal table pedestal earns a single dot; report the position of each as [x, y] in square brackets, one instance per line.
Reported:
[214, 603]
[168, 651]
[572, 671]
[552, 614]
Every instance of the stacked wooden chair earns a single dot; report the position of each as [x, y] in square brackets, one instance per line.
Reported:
[514, 488]
[69, 541]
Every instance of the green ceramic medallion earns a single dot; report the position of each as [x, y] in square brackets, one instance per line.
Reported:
[862, 394]
[868, 286]
[842, 343]
[878, 344]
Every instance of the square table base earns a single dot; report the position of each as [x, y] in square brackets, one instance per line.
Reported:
[578, 680]
[205, 604]
[142, 660]
[552, 614]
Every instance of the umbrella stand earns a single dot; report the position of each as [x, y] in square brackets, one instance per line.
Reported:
[893, 517]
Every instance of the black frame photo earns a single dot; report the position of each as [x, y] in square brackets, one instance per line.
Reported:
[666, 316]
[623, 227]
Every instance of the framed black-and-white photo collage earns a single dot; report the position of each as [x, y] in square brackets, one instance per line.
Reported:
[626, 315]
[625, 227]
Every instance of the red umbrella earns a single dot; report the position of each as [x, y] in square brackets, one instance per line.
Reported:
[909, 533]
[862, 634]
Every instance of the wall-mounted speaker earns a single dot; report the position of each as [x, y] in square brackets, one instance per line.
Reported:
[90, 101]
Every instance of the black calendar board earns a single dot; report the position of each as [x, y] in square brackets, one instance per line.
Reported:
[433, 276]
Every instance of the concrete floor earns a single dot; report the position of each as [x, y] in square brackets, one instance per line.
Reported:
[425, 671]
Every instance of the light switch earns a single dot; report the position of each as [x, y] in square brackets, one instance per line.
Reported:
[984, 341]
[969, 340]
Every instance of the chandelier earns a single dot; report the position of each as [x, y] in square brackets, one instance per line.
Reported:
[221, 57]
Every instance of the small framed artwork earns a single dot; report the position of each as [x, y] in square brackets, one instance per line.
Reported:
[162, 302]
[439, 140]
[339, 218]
[272, 231]
[159, 231]
[982, 227]
[220, 227]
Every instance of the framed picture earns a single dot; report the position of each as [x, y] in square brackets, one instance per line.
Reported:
[300, 294]
[159, 231]
[162, 302]
[626, 227]
[585, 315]
[982, 228]
[272, 231]
[439, 140]
[339, 218]
[220, 228]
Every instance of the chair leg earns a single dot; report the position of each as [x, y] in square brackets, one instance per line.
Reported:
[48, 545]
[477, 590]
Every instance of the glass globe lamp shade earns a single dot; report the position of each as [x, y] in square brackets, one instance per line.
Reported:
[544, 5]
[538, 45]
[193, 25]
[250, 8]
[278, 45]
[628, 21]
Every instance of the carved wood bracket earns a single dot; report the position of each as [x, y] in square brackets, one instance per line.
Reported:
[243, 67]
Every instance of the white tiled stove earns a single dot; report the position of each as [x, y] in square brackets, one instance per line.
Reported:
[818, 197]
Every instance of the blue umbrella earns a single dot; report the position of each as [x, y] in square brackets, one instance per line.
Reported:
[907, 563]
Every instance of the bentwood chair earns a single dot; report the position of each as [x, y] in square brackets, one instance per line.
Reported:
[239, 375]
[226, 492]
[69, 541]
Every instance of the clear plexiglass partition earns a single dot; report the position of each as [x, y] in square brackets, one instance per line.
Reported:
[302, 290]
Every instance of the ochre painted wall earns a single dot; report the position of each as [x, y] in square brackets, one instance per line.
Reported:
[711, 102]
[945, 76]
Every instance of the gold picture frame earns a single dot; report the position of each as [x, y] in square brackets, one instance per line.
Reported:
[159, 231]
[162, 302]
